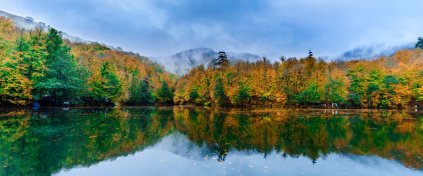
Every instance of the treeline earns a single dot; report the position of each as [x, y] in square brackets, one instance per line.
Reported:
[386, 82]
[39, 66]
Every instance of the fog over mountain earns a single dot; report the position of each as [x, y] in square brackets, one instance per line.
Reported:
[181, 62]
[372, 52]
[28, 23]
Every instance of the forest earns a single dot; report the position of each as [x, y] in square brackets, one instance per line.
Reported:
[385, 82]
[41, 67]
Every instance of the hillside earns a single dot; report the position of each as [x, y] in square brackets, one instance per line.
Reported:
[40, 64]
[37, 65]
[385, 82]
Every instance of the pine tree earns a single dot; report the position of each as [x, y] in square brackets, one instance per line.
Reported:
[222, 60]
[419, 43]
[61, 82]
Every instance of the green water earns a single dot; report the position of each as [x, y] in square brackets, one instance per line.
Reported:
[198, 141]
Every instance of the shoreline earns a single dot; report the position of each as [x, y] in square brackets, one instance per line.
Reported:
[221, 108]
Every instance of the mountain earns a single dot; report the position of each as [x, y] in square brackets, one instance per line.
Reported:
[181, 62]
[28, 23]
[373, 52]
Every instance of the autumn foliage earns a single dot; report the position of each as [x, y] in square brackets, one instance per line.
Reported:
[386, 82]
[39, 66]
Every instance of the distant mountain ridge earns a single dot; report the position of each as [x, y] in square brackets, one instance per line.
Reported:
[373, 52]
[181, 62]
[28, 23]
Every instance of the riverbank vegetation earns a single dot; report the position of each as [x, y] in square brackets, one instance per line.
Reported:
[386, 82]
[39, 66]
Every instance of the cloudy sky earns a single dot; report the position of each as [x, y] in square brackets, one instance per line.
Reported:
[264, 27]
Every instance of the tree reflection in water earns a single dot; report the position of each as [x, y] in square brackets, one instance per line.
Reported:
[46, 141]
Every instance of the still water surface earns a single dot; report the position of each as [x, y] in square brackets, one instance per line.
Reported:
[198, 141]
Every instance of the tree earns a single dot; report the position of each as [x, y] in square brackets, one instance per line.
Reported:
[108, 88]
[222, 60]
[140, 91]
[194, 96]
[333, 91]
[146, 97]
[356, 89]
[15, 88]
[61, 82]
[243, 95]
[218, 91]
[164, 94]
[37, 56]
[308, 96]
[374, 88]
[419, 43]
[310, 54]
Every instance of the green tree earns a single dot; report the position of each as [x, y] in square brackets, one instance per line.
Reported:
[108, 89]
[418, 87]
[374, 88]
[419, 43]
[140, 91]
[146, 96]
[16, 85]
[164, 94]
[37, 56]
[308, 96]
[356, 88]
[194, 96]
[243, 95]
[61, 82]
[388, 92]
[219, 96]
[333, 91]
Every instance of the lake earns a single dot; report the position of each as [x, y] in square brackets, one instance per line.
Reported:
[200, 141]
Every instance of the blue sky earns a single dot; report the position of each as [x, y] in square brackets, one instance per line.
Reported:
[264, 27]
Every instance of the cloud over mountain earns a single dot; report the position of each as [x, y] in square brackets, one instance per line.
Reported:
[181, 62]
[266, 27]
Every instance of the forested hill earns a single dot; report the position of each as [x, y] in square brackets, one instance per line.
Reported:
[386, 82]
[39, 66]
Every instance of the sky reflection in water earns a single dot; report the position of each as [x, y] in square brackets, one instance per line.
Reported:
[197, 141]
[174, 155]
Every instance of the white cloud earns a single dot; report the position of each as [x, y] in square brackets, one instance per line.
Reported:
[265, 27]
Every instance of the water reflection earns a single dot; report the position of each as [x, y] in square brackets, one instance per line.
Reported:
[52, 141]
